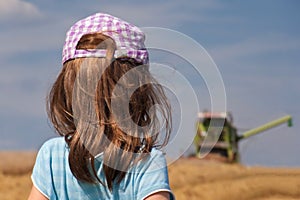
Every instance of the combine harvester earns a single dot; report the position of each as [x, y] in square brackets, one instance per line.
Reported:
[209, 140]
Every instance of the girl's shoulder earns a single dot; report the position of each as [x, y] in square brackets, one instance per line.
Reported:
[53, 146]
[154, 161]
[54, 142]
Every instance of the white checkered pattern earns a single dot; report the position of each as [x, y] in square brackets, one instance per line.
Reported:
[129, 39]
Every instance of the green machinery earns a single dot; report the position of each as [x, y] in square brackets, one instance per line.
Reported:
[217, 135]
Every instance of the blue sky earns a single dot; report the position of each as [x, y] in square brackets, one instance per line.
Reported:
[255, 44]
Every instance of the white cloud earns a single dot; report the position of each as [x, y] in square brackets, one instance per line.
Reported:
[162, 13]
[23, 91]
[253, 47]
[11, 9]
[44, 36]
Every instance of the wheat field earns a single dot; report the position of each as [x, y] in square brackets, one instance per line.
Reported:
[190, 179]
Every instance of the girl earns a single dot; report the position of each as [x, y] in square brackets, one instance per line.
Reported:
[105, 104]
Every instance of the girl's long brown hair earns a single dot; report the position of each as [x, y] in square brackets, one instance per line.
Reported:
[82, 113]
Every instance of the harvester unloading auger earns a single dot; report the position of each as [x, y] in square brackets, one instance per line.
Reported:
[209, 139]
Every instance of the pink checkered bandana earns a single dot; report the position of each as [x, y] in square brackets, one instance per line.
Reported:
[129, 39]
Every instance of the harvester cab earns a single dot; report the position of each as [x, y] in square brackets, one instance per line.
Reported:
[216, 134]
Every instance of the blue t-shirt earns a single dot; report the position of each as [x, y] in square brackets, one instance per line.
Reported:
[53, 178]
